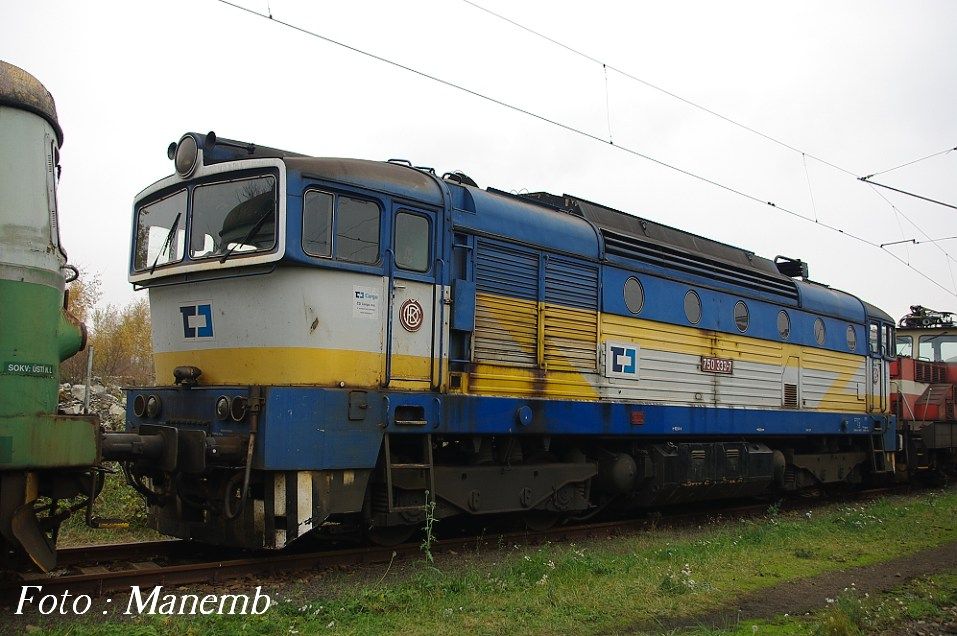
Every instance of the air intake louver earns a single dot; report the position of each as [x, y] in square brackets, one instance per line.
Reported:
[929, 372]
[790, 395]
[690, 263]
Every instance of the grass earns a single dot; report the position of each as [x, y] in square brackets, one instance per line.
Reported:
[610, 585]
[928, 599]
[116, 501]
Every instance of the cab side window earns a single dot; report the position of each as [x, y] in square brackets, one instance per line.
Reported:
[345, 227]
[317, 223]
[413, 242]
[357, 230]
[873, 338]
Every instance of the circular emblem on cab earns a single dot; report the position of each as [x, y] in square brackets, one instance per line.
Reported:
[410, 315]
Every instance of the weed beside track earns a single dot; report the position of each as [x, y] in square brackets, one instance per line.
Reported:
[607, 585]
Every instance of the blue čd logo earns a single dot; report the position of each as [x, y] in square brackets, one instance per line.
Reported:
[197, 320]
[624, 359]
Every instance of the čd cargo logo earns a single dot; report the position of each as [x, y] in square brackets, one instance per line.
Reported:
[621, 360]
[197, 320]
[411, 315]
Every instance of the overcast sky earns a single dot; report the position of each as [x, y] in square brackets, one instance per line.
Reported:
[863, 85]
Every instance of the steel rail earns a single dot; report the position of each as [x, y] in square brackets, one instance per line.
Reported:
[98, 580]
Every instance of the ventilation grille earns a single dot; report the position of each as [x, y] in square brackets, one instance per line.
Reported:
[929, 372]
[733, 459]
[697, 265]
[571, 314]
[790, 395]
[506, 305]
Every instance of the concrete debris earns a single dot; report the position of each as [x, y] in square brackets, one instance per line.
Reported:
[106, 400]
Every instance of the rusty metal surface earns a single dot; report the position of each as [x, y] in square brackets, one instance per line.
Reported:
[124, 551]
[19, 89]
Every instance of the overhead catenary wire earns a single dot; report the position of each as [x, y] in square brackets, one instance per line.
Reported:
[916, 242]
[916, 227]
[948, 258]
[607, 105]
[910, 163]
[592, 136]
[660, 89]
[518, 109]
[810, 191]
[766, 136]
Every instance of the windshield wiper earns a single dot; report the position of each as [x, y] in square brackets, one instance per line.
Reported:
[166, 243]
[255, 228]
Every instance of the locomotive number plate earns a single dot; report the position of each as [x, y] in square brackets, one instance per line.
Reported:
[717, 365]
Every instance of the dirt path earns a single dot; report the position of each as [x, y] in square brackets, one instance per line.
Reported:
[810, 594]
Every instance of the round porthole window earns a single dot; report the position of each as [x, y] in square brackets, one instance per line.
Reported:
[692, 307]
[634, 295]
[741, 316]
[851, 338]
[819, 331]
[784, 325]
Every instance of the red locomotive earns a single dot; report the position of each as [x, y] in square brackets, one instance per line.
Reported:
[924, 391]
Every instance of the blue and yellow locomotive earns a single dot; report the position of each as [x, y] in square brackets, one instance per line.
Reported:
[347, 340]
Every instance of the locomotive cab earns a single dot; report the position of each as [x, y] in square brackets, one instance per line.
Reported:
[267, 272]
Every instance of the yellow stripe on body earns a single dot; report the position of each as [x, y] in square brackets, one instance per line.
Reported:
[839, 394]
[516, 355]
[560, 359]
[286, 365]
[521, 328]
[490, 379]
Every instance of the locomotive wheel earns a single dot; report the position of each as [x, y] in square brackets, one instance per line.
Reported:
[388, 536]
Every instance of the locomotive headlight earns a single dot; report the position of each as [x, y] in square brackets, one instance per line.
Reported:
[238, 408]
[153, 406]
[187, 155]
[139, 405]
[222, 408]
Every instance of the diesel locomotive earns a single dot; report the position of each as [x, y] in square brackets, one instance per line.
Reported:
[342, 342]
[45, 457]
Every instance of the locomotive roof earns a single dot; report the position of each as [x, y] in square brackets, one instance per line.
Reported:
[393, 178]
[813, 296]
[690, 251]
[611, 219]
[876, 312]
[396, 179]
[566, 223]
[19, 89]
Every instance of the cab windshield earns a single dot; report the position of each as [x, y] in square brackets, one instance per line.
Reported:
[226, 219]
[905, 346]
[160, 232]
[233, 217]
[939, 348]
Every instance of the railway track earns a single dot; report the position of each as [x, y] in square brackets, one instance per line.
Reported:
[105, 552]
[103, 569]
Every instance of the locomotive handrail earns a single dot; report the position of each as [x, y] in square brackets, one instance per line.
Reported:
[439, 274]
[390, 259]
